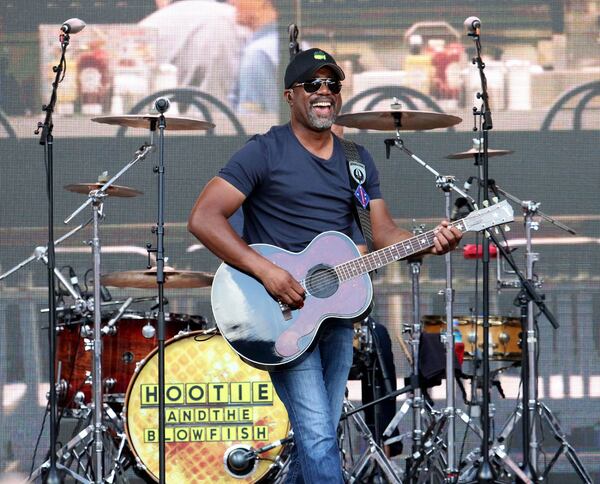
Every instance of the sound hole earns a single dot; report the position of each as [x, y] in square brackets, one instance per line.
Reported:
[322, 281]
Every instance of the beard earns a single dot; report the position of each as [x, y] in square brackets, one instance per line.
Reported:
[321, 123]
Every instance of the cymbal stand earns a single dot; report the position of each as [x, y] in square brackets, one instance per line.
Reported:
[77, 453]
[415, 399]
[446, 184]
[372, 452]
[96, 200]
[531, 409]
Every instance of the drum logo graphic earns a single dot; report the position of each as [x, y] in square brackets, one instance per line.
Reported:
[213, 402]
[217, 419]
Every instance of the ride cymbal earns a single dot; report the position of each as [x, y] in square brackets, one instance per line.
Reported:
[404, 120]
[111, 191]
[474, 152]
[174, 279]
[150, 121]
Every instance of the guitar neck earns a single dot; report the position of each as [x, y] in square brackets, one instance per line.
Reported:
[392, 253]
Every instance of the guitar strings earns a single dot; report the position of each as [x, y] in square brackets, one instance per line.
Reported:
[323, 280]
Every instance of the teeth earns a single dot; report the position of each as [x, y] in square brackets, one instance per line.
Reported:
[322, 104]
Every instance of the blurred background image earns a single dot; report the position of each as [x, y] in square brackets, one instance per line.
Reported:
[223, 61]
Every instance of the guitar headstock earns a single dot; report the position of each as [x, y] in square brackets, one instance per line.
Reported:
[491, 216]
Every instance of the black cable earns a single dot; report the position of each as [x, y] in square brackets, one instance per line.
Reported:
[39, 438]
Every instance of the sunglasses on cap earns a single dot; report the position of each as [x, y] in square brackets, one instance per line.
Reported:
[334, 85]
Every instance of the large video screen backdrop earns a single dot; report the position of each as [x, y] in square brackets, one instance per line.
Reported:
[223, 62]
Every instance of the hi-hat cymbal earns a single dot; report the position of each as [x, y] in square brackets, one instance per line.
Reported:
[174, 279]
[474, 152]
[111, 191]
[404, 120]
[147, 121]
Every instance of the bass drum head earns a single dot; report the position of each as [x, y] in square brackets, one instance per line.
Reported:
[214, 402]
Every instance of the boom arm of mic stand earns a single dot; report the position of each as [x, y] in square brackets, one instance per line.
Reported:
[413, 383]
[140, 155]
[40, 252]
[560, 225]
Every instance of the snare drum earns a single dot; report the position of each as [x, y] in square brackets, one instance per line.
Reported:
[135, 336]
[215, 403]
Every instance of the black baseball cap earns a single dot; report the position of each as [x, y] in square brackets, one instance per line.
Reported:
[304, 64]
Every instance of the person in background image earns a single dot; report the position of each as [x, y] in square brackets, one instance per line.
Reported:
[254, 91]
[202, 39]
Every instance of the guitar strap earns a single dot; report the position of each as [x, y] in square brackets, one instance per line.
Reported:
[357, 174]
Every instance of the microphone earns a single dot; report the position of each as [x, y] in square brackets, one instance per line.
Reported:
[162, 104]
[240, 460]
[293, 44]
[472, 24]
[461, 209]
[73, 26]
[75, 281]
[468, 183]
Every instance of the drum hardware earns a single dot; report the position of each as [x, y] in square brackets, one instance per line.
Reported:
[89, 304]
[110, 328]
[77, 456]
[446, 184]
[532, 412]
[96, 200]
[373, 458]
[151, 122]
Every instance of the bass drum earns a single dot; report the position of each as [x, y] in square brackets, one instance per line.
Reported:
[215, 403]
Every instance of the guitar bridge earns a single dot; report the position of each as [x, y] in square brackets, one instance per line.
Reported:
[285, 310]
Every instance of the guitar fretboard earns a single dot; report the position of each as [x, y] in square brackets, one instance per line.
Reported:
[387, 255]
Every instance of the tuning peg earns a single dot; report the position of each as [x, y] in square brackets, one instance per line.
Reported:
[496, 231]
[485, 203]
[495, 199]
[507, 228]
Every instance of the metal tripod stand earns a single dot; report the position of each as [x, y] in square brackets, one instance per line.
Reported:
[372, 455]
[531, 411]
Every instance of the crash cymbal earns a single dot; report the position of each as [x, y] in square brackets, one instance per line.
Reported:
[406, 120]
[148, 120]
[174, 279]
[111, 191]
[473, 152]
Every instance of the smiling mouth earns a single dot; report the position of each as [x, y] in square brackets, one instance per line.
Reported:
[322, 108]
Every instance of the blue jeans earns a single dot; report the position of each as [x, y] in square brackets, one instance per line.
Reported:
[313, 394]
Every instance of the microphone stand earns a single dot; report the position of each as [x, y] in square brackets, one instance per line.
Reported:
[485, 473]
[159, 230]
[47, 141]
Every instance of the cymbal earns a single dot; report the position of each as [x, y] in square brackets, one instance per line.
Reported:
[174, 279]
[408, 120]
[147, 120]
[473, 152]
[111, 191]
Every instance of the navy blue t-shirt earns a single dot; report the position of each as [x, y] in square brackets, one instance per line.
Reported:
[291, 194]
